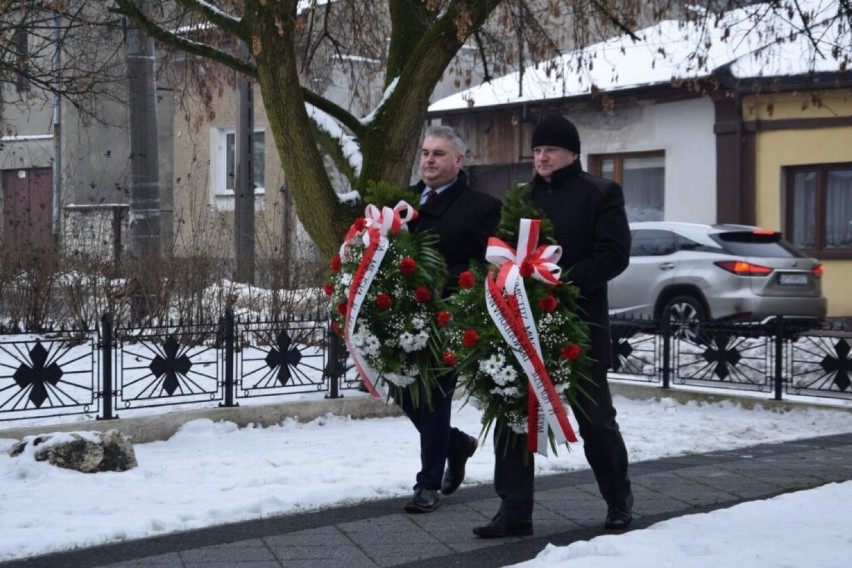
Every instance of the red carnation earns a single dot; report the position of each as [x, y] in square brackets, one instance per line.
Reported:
[571, 351]
[444, 318]
[470, 338]
[341, 308]
[547, 304]
[407, 266]
[422, 294]
[335, 263]
[328, 289]
[383, 301]
[527, 268]
[466, 279]
[449, 358]
[360, 224]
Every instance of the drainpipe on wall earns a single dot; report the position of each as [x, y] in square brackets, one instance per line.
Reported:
[57, 135]
[244, 201]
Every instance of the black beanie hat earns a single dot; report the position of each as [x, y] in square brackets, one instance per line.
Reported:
[556, 130]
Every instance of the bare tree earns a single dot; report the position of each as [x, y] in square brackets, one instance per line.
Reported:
[406, 48]
[70, 49]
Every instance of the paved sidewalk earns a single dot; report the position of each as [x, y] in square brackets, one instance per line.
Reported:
[568, 508]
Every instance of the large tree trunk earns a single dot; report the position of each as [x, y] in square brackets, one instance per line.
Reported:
[390, 146]
[317, 205]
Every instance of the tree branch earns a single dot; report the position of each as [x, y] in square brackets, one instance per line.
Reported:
[128, 8]
[214, 15]
[334, 110]
[613, 19]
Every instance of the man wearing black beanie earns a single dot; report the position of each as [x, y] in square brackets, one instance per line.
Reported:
[590, 224]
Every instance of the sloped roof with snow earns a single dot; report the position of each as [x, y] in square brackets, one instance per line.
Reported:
[757, 41]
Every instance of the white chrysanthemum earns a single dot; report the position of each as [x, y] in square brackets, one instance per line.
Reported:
[493, 365]
[366, 342]
[511, 392]
[346, 279]
[508, 393]
[411, 342]
[419, 322]
[399, 380]
[518, 427]
[505, 375]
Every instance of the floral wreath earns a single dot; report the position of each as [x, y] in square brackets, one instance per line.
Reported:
[515, 335]
[384, 290]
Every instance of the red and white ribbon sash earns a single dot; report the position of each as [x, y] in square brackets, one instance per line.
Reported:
[514, 319]
[374, 229]
[386, 220]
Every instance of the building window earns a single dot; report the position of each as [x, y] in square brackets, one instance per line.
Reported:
[225, 163]
[641, 176]
[819, 209]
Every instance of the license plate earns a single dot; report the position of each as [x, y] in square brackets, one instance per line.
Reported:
[793, 279]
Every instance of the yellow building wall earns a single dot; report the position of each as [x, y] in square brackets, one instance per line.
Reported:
[776, 150]
[204, 225]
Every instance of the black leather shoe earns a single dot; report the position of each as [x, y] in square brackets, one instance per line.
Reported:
[500, 527]
[424, 501]
[454, 474]
[619, 515]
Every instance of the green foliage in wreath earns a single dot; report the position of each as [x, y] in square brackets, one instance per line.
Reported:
[488, 370]
[395, 330]
[383, 194]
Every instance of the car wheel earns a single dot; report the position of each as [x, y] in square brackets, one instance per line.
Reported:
[685, 314]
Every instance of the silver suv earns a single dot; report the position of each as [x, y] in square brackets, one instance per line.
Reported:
[692, 273]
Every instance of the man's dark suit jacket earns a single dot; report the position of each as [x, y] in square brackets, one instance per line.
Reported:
[463, 218]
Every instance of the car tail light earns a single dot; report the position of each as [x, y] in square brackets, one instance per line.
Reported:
[743, 268]
[817, 270]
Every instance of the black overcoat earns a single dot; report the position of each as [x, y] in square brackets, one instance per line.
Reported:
[463, 218]
[590, 224]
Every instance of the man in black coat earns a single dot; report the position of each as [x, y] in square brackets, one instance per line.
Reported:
[463, 219]
[590, 224]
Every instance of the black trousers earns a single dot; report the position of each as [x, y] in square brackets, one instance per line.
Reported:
[514, 465]
[437, 438]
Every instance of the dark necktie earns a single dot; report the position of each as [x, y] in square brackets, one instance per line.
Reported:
[430, 194]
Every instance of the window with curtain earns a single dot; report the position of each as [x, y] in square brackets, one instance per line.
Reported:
[641, 176]
[819, 209]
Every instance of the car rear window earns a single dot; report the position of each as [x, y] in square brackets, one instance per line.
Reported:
[747, 243]
[652, 242]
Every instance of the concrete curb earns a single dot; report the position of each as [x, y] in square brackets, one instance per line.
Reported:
[143, 429]
[643, 391]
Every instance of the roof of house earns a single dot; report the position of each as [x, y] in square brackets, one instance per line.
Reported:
[755, 41]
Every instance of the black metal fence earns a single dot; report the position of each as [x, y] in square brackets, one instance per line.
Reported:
[784, 357]
[99, 373]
